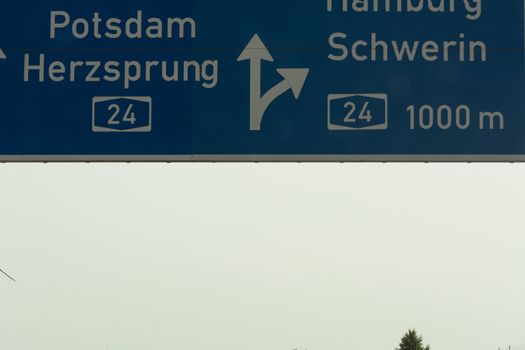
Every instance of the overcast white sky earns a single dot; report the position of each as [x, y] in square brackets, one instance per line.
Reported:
[261, 256]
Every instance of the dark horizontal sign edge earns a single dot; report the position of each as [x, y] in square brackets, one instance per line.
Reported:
[264, 158]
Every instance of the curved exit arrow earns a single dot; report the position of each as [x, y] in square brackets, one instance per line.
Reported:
[294, 79]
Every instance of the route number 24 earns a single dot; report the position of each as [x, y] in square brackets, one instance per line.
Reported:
[128, 117]
[364, 113]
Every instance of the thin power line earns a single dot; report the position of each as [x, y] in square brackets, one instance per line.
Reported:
[5, 273]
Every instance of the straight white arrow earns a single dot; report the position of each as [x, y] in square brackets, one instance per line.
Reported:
[2, 55]
[255, 52]
[294, 79]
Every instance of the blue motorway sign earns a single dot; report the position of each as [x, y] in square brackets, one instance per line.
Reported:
[272, 80]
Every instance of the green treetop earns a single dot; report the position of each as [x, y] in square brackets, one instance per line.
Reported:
[412, 341]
